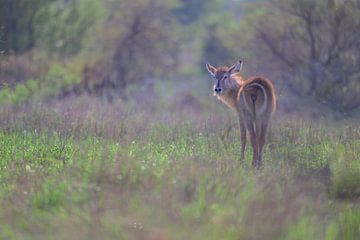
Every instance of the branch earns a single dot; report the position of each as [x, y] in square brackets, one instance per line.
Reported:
[274, 49]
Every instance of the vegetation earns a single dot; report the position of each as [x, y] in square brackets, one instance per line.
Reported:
[108, 129]
[311, 49]
[65, 175]
[323, 47]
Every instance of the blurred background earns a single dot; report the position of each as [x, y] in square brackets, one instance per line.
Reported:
[151, 53]
[109, 130]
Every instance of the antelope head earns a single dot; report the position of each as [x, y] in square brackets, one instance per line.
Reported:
[222, 77]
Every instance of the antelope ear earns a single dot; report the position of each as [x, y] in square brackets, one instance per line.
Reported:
[235, 68]
[211, 69]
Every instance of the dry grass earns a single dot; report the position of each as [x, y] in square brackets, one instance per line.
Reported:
[82, 169]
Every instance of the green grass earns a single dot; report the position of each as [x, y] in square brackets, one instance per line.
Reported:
[64, 176]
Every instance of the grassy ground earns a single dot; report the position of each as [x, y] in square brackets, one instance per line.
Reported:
[88, 171]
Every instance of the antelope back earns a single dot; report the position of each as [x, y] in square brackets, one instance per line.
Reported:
[257, 96]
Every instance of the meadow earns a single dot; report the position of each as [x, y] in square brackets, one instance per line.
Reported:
[109, 130]
[86, 169]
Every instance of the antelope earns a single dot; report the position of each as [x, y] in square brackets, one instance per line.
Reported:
[253, 100]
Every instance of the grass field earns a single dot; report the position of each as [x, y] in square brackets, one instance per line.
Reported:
[88, 171]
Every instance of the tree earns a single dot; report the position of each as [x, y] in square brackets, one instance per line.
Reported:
[215, 51]
[62, 26]
[56, 25]
[190, 11]
[17, 24]
[226, 32]
[317, 45]
[146, 47]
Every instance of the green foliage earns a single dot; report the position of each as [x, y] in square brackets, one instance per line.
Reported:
[6, 95]
[56, 80]
[147, 46]
[119, 43]
[17, 24]
[51, 195]
[304, 152]
[122, 172]
[32, 152]
[63, 26]
[22, 93]
[172, 178]
[19, 95]
[32, 85]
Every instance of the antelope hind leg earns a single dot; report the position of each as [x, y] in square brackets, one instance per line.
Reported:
[243, 141]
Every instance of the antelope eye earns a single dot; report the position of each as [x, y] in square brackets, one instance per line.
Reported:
[225, 77]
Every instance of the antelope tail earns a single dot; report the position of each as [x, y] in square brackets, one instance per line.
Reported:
[253, 98]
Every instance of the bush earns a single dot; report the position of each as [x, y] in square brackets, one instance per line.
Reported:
[20, 94]
[56, 80]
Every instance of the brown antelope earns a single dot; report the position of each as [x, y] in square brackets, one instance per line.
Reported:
[254, 101]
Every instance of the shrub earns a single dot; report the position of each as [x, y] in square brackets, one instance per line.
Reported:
[57, 79]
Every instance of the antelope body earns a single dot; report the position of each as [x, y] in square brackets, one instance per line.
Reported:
[254, 101]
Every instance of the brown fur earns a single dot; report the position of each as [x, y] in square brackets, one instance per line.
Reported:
[254, 100]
